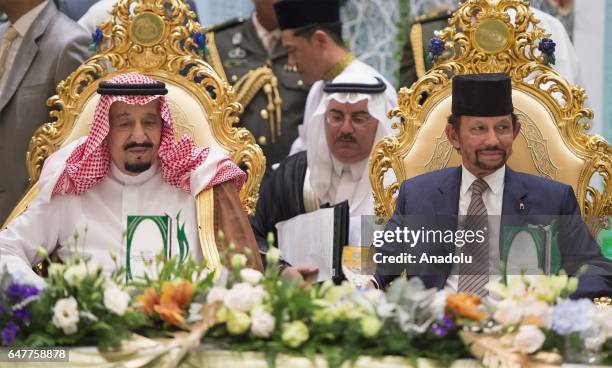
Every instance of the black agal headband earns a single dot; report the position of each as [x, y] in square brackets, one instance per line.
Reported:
[132, 89]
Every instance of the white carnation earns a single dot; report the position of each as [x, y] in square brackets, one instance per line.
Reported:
[251, 276]
[216, 294]
[529, 339]
[243, 297]
[262, 323]
[508, 312]
[116, 300]
[66, 315]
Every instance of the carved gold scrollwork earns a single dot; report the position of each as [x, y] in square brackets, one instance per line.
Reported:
[156, 38]
[481, 38]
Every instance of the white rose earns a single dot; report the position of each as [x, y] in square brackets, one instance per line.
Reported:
[540, 310]
[66, 315]
[216, 294]
[262, 323]
[250, 275]
[508, 312]
[243, 297]
[529, 339]
[116, 300]
[74, 274]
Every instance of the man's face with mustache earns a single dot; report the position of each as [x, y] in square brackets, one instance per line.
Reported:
[350, 130]
[485, 142]
[135, 135]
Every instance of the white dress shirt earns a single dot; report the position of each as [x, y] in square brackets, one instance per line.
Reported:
[344, 180]
[268, 39]
[22, 25]
[493, 199]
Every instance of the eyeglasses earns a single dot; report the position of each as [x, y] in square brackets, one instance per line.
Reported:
[357, 119]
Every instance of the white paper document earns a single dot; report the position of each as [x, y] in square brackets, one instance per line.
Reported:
[308, 240]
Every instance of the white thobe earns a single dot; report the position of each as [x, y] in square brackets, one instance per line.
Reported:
[316, 95]
[99, 217]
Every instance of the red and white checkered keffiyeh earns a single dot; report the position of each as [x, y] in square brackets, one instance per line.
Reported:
[89, 163]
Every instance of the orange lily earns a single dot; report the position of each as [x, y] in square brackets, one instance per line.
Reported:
[465, 305]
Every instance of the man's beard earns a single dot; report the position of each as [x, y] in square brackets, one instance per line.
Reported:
[137, 167]
[484, 166]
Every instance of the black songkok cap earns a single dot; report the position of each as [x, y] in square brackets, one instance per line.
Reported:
[487, 94]
[294, 14]
[132, 89]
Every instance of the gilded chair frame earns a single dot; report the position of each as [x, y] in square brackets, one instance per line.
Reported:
[516, 53]
[153, 37]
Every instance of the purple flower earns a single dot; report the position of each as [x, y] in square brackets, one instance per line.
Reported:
[9, 332]
[1, 310]
[200, 39]
[17, 292]
[436, 46]
[547, 46]
[439, 330]
[97, 36]
[23, 314]
[448, 322]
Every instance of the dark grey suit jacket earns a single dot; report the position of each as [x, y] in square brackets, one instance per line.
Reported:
[53, 47]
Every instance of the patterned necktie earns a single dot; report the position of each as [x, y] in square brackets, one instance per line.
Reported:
[7, 40]
[473, 277]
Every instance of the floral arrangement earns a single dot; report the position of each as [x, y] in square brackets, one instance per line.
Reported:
[536, 314]
[82, 304]
[171, 295]
[265, 312]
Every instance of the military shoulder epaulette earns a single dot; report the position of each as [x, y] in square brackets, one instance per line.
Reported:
[228, 23]
[433, 16]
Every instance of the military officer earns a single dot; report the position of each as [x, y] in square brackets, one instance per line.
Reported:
[249, 53]
[415, 49]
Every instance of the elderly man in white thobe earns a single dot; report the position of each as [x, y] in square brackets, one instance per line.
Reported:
[129, 165]
[350, 119]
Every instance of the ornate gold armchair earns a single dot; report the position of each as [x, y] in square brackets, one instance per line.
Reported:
[552, 143]
[154, 38]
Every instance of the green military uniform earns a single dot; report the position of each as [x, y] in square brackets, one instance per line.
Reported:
[235, 47]
[415, 49]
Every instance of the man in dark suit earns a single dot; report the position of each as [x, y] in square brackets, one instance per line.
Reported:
[45, 47]
[482, 128]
